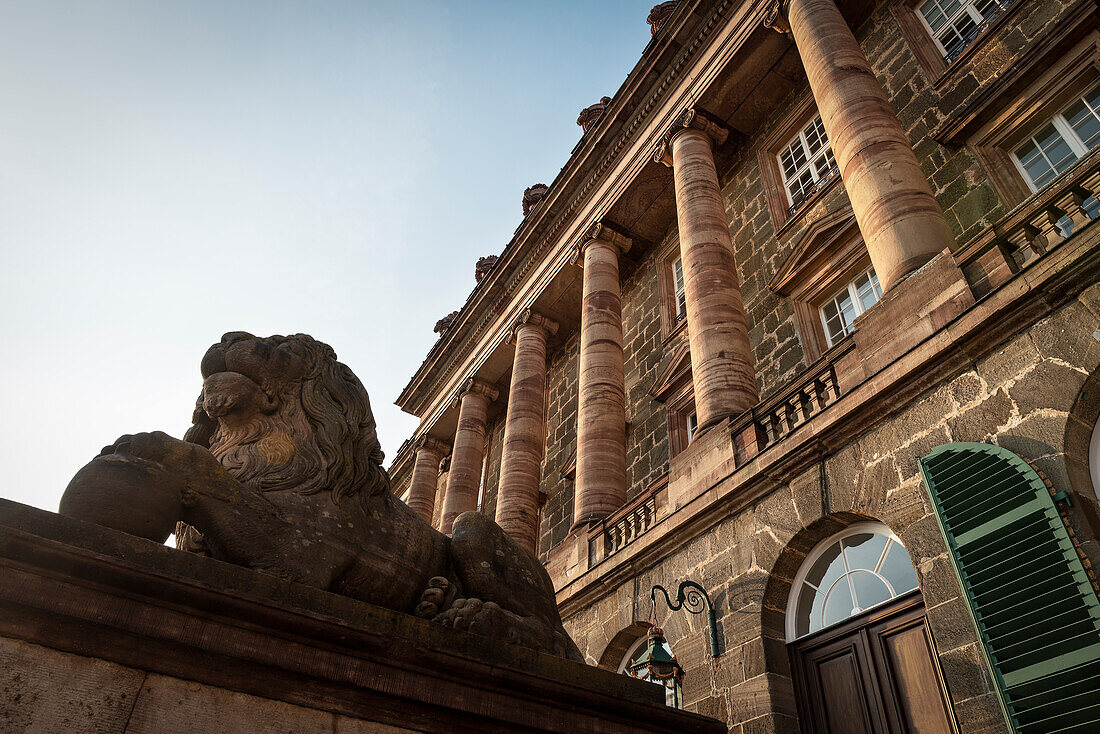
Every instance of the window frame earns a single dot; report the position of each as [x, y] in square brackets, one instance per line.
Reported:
[966, 7]
[819, 180]
[930, 54]
[672, 321]
[1059, 122]
[783, 217]
[857, 302]
[859, 528]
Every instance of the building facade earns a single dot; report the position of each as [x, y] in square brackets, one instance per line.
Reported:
[809, 317]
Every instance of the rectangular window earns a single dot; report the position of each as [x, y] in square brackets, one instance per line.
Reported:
[841, 310]
[692, 424]
[956, 24]
[806, 163]
[680, 294]
[1062, 140]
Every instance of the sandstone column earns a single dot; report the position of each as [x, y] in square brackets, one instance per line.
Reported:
[721, 358]
[601, 408]
[899, 218]
[468, 452]
[525, 431]
[425, 476]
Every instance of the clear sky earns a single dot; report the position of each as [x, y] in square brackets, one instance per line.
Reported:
[170, 171]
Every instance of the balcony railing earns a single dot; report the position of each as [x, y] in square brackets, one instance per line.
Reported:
[812, 393]
[1057, 213]
[628, 523]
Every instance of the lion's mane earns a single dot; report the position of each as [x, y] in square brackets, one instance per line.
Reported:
[326, 414]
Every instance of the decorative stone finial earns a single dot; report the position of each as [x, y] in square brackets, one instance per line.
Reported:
[533, 195]
[484, 265]
[590, 114]
[659, 14]
[445, 323]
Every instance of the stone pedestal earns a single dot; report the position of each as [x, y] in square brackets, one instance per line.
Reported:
[722, 370]
[106, 633]
[525, 432]
[425, 477]
[601, 401]
[900, 219]
[468, 452]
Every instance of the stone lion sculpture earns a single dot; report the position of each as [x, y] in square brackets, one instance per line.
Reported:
[282, 472]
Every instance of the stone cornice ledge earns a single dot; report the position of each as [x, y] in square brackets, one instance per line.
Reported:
[1047, 283]
[466, 334]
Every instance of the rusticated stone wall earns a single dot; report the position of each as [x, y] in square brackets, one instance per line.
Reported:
[1025, 395]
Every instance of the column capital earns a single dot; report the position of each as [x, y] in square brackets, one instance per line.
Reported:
[689, 119]
[431, 443]
[775, 17]
[478, 387]
[600, 232]
[531, 317]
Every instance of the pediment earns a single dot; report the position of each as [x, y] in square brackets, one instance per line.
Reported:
[827, 245]
[677, 365]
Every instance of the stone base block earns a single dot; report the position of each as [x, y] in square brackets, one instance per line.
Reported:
[104, 632]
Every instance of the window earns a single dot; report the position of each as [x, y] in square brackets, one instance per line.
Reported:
[1056, 145]
[956, 24]
[840, 311]
[807, 163]
[692, 422]
[678, 290]
[863, 566]
[671, 286]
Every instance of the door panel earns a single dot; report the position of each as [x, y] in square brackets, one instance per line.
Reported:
[841, 688]
[875, 673]
[914, 693]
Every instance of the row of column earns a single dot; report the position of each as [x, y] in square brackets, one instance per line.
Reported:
[898, 216]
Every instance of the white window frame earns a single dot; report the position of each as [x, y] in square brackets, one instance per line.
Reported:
[811, 158]
[853, 293]
[1069, 135]
[691, 424]
[679, 291]
[966, 7]
[1094, 459]
[819, 550]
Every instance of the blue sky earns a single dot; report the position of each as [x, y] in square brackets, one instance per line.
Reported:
[170, 171]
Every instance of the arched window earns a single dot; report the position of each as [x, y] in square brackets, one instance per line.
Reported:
[863, 566]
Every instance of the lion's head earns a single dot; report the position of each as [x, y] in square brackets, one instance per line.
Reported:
[282, 413]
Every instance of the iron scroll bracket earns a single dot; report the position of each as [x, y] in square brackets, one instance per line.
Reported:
[694, 598]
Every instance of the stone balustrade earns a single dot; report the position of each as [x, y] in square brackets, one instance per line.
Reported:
[804, 398]
[626, 525]
[1055, 214]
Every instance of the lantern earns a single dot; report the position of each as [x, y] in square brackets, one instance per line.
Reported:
[658, 665]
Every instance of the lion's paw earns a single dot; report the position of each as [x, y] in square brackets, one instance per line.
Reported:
[481, 618]
[434, 598]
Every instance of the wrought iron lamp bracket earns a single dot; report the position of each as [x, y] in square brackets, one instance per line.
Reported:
[697, 601]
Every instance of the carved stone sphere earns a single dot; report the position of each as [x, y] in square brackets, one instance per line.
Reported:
[590, 114]
[532, 195]
[659, 14]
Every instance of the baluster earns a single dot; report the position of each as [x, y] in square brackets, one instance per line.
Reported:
[1072, 203]
[1050, 233]
[1026, 243]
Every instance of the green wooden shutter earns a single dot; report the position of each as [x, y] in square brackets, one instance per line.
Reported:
[1033, 604]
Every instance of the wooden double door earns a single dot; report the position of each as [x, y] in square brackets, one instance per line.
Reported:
[876, 673]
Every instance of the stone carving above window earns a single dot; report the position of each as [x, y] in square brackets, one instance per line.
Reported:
[827, 255]
[590, 114]
[445, 323]
[532, 195]
[659, 14]
[484, 265]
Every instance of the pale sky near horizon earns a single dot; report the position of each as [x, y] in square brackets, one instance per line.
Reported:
[170, 171]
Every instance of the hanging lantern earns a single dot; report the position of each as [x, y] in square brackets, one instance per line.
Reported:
[658, 665]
